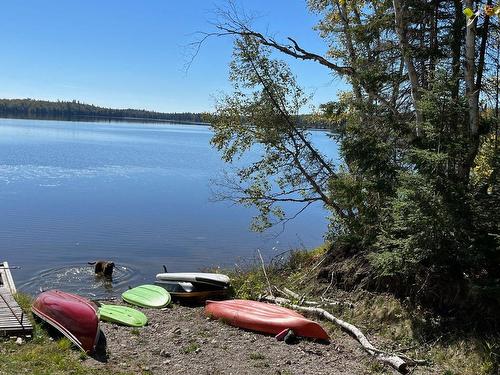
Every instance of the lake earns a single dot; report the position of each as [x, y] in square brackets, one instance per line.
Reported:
[137, 194]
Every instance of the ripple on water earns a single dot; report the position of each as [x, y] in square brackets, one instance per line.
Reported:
[82, 280]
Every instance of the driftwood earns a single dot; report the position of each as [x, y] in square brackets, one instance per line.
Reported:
[399, 362]
[302, 301]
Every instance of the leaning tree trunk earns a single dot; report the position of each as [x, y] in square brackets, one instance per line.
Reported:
[473, 86]
[401, 30]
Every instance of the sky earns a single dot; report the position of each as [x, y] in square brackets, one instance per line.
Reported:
[132, 54]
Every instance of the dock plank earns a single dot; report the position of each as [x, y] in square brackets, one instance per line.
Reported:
[13, 321]
[6, 277]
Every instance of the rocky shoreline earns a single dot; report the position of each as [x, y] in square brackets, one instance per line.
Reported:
[181, 340]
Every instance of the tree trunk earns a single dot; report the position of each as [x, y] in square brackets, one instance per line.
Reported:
[400, 23]
[473, 87]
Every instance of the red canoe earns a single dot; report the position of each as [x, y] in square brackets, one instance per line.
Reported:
[264, 317]
[74, 316]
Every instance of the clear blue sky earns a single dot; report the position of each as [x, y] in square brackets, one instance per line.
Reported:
[131, 54]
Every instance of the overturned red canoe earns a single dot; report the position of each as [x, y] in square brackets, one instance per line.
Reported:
[263, 317]
[74, 316]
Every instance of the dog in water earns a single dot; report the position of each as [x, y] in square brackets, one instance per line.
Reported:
[103, 268]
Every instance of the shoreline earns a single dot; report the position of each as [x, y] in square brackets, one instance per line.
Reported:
[105, 119]
[181, 339]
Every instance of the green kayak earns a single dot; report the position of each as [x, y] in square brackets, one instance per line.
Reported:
[147, 296]
[123, 315]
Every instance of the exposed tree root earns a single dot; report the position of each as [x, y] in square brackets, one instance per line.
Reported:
[398, 361]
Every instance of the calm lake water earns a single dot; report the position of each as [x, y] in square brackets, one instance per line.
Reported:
[137, 194]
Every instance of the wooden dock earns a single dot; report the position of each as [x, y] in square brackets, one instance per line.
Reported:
[13, 321]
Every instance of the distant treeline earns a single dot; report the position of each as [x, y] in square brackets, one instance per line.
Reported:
[31, 108]
[44, 109]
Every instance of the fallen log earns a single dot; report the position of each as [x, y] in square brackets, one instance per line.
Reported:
[391, 359]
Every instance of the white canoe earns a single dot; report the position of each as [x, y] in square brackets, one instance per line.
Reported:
[195, 277]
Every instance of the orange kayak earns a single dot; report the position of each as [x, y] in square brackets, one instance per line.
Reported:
[264, 317]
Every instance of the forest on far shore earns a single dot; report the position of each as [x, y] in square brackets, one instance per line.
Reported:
[43, 109]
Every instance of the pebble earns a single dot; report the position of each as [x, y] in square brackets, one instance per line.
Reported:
[165, 354]
[19, 341]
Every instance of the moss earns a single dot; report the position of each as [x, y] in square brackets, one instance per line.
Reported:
[64, 344]
[257, 356]
[191, 348]
[135, 331]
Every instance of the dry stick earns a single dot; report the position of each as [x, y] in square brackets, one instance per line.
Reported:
[391, 359]
[302, 279]
[329, 285]
[265, 273]
[301, 300]
[289, 293]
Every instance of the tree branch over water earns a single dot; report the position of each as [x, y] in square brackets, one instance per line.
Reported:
[263, 112]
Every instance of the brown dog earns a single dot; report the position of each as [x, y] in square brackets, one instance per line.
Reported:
[103, 268]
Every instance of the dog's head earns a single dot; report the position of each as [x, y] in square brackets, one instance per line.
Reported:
[108, 268]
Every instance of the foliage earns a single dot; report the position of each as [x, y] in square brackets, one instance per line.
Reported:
[417, 195]
[290, 169]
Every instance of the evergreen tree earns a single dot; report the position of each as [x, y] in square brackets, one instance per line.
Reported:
[413, 129]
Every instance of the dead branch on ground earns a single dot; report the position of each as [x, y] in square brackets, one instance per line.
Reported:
[396, 360]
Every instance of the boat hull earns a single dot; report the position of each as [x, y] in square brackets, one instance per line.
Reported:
[215, 279]
[122, 315]
[147, 295]
[74, 316]
[263, 317]
[196, 292]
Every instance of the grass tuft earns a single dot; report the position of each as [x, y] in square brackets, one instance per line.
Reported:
[256, 356]
[191, 348]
